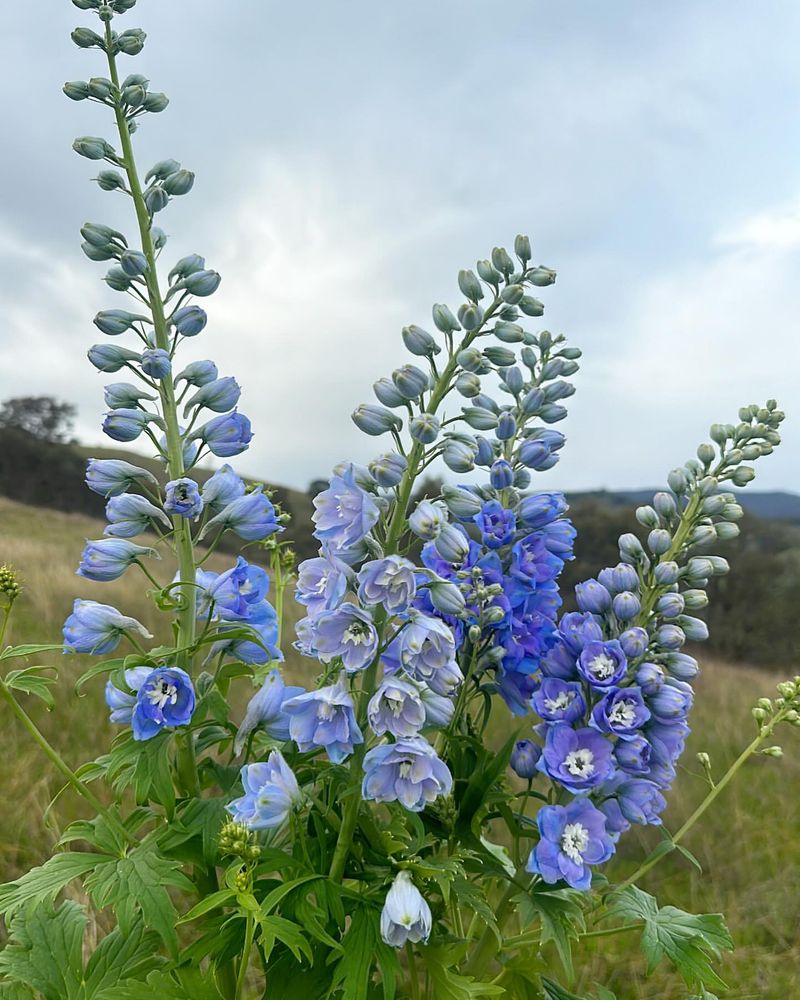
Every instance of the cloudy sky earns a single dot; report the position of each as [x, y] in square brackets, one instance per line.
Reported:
[351, 157]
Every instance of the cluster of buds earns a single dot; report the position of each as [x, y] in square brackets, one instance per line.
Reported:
[768, 713]
[9, 584]
[237, 841]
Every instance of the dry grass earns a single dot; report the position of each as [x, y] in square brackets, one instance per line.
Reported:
[748, 845]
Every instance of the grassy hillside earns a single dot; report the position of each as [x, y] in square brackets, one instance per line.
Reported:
[748, 846]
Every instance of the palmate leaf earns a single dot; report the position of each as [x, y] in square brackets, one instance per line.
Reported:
[45, 950]
[361, 947]
[690, 941]
[449, 985]
[43, 883]
[189, 983]
[138, 883]
[33, 680]
[560, 913]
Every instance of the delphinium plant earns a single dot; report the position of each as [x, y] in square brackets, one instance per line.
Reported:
[432, 816]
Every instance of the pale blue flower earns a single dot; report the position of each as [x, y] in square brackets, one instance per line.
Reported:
[270, 793]
[405, 916]
[324, 718]
[408, 771]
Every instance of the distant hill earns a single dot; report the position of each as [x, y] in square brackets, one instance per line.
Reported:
[779, 505]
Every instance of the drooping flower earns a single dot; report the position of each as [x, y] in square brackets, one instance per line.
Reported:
[221, 489]
[344, 513]
[182, 497]
[227, 435]
[265, 711]
[425, 649]
[270, 793]
[578, 759]
[396, 708]
[130, 514]
[572, 838]
[405, 915]
[324, 718]
[541, 508]
[98, 628]
[111, 476]
[126, 424]
[251, 517]
[108, 558]
[408, 771]
[389, 582]
[524, 758]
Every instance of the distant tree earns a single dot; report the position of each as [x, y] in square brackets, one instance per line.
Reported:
[317, 486]
[42, 416]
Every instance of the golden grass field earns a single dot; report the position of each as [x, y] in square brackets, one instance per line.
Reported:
[748, 845]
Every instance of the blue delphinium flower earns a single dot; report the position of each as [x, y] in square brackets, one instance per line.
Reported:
[321, 583]
[270, 793]
[532, 562]
[324, 718]
[190, 320]
[227, 435]
[593, 597]
[108, 558]
[221, 489]
[622, 712]
[156, 363]
[111, 476]
[602, 664]
[540, 509]
[633, 755]
[524, 758]
[408, 771]
[396, 708]
[126, 424]
[572, 838]
[405, 916]
[390, 582]
[347, 632]
[123, 395]
[265, 711]
[98, 628]
[164, 698]
[130, 514]
[634, 800]
[262, 622]
[425, 650]
[496, 524]
[578, 759]
[251, 517]
[218, 396]
[182, 498]
[234, 594]
[344, 513]
[557, 700]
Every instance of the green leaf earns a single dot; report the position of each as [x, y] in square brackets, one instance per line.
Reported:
[138, 883]
[689, 941]
[45, 951]
[145, 766]
[10, 652]
[33, 680]
[560, 913]
[352, 971]
[119, 956]
[208, 903]
[287, 932]
[42, 884]
[449, 985]
[188, 983]
[106, 667]
[283, 890]
[554, 991]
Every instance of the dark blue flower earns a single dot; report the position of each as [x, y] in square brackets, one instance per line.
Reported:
[540, 509]
[496, 524]
[559, 701]
[621, 712]
[603, 664]
[524, 758]
[572, 838]
[164, 698]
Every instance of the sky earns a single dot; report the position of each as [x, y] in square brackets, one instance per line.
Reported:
[351, 157]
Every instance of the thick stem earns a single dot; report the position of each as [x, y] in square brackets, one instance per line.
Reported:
[184, 548]
[241, 978]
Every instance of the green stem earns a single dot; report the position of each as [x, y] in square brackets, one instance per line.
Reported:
[241, 978]
[412, 973]
[748, 752]
[184, 548]
[55, 757]
[487, 943]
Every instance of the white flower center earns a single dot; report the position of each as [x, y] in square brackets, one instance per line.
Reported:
[623, 713]
[394, 703]
[574, 841]
[405, 769]
[162, 693]
[602, 666]
[357, 633]
[325, 712]
[580, 762]
[321, 584]
[560, 702]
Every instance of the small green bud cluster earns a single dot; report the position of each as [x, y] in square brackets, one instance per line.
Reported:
[770, 712]
[236, 840]
[9, 583]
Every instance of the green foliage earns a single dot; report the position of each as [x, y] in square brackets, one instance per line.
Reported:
[689, 941]
[33, 680]
[446, 984]
[43, 883]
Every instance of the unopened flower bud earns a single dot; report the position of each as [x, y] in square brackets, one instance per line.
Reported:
[524, 758]
[461, 502]
[419, 342]
[502, 261]
[522, 248]
[471, 316]
[424, 428]
[488, 272]
[506, 427]
[452, 544]
[743, 475]
[410, 381]
[179, 183]
[110, 180]
[84, 38]
[155, 102]
[468, 384]
[93, 148]
[470, 285]
[509, 333]
[458, 456]
[658, 541]
[427, 520]
[446, 598]
[388, 469]
[133, 263]
[678, 481]
[444, 319]
[131, 42]
[156, 199]
[667, 573]
[375, 420]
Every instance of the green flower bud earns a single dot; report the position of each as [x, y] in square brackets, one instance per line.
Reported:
[647, 517]
[542, 276]
[118, 280]
[155, 102]
[773, 752]
[531, 306]
[86, 4]
[419, 341]
[703, 534]
[678, 481]
[97, 253]
[468, 385]
[726, 531]
[443, 319]
[502, 261]
[703, 759]
[470, 316]
[9, 583]
[488, 273]
[500, 356]
[758, 714]
[179, 183]
[110, 180]
[512, 294]
[665, 505]
[76, 90]
[694, 600]
[133, 95]
[469, 285]
[472, 360]
[719, 433]
[522, 248]
[93, 148]
[708, 486]
[130, 42]
[84, 38]
[155, 198]
[509, 333]
[161, 170]
[705, 452]
[743, 475]
[100, 235]
[100, 88]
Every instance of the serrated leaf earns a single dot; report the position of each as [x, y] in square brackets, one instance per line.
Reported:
[353, 968]
[555, 991]
[560, 913]
[45, 950]
[449, 985]
[690, 941]
[33, 680]
[43, 883]
[119, 956]
[138, 883]
[287, 932]
[188, 983]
